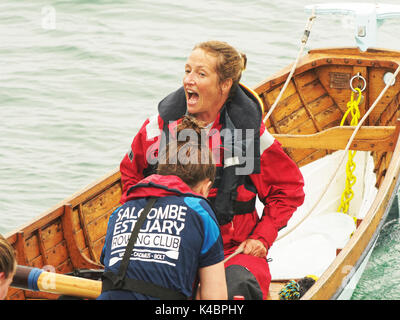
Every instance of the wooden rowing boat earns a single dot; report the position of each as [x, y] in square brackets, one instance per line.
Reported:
[306, 121]
[70, 236]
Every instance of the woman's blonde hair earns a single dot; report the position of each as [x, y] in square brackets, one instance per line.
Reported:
[8, 263]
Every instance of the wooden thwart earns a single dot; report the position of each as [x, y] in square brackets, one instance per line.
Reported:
[336, 138]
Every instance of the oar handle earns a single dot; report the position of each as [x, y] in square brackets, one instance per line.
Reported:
[238, 250]
[36, 279]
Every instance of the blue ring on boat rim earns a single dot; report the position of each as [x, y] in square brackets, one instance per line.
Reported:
[33, 278]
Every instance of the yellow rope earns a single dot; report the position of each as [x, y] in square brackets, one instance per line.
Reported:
[348, 193]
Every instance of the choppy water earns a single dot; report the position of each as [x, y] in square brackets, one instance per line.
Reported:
[381, 278]
[78, 78]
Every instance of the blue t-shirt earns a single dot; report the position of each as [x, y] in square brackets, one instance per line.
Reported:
[179, 236]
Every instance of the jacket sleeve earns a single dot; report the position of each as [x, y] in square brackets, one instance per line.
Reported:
[136, 159]
[279, 187]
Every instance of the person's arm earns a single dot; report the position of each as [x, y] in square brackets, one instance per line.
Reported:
[211, 272]
[279, 187]
[213, 283]
[135, 161]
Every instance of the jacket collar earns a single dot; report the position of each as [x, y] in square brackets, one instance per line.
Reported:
[160, 186]
[243, 108]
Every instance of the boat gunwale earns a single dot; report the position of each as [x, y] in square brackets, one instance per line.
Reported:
[369, 246]
[57, 210]
[317, 58]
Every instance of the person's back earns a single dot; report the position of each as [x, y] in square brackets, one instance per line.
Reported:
[179, 236]
[178, 240]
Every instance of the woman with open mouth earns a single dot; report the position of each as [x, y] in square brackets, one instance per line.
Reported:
[250, 162]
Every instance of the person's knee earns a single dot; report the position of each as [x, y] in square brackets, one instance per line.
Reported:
[241, 282]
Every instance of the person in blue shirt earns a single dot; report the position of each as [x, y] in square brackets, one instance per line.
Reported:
[178, 249]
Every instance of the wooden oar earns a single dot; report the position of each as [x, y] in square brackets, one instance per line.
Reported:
[238, 250]
[35, 279]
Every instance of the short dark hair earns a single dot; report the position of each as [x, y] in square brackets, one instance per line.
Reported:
[191, 162]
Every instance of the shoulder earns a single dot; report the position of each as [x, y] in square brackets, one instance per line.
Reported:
[154, 126]
[151, 127]
[245, 109]
[211, 231]
[202, 208]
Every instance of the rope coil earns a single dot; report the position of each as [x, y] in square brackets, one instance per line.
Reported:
[294, 290]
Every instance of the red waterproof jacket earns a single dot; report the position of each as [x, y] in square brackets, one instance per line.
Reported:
[279, 184]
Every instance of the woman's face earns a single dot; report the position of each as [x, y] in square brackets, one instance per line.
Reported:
[204, 94]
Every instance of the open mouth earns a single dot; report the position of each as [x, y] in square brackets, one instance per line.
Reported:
[192, 97]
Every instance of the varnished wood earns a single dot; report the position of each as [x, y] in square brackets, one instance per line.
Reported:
[56, 237]
[336, 138]
[78, 259]
[55, 283]
[274, 289]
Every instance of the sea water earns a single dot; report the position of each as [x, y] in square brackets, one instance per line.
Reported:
[78, 78]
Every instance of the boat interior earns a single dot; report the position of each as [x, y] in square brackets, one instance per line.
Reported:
[307, 121]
